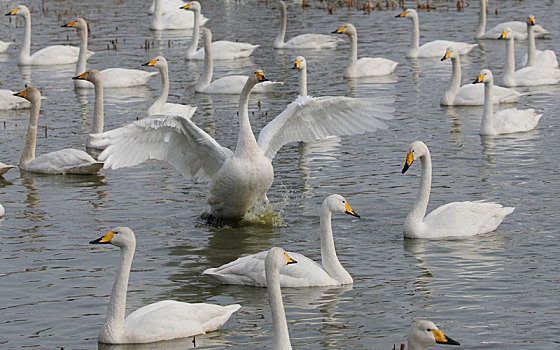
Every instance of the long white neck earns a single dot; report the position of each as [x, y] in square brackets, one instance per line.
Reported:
[487, 122]
[481, 28]
[82, 59]
[416, 215]
[281, 334]
[28, 153]
[193, 46]
[509, 70]
[158, 12]
[24, 54]
[246, 142]
[328, 253]
[206, 77]
[113, 327]
[415, 38]
[303, 81]
[352, 68]
[455, 82]
[158, 106]
[98, 115]
[279, 41]
[531, 47]
[415, 346]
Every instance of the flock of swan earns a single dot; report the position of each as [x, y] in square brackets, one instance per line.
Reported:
[240, 178]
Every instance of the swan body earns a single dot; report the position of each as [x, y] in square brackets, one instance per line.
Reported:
[232, 84]
[4, 46]
[177, 19]
[50, 55]
[365, 66]
[432, 48]
[506, 121]
[96, 78]
[112, 77]
[250, 270]
[65, 161]
[8, 101]
[221, 50]
[469, 94]
[163, 320]
[161, 106]
[423, 334]
[238, 180]
[526, 76]
[534, 57]
[166, 6]
[456, 219]
[5, 167]
[302, 41]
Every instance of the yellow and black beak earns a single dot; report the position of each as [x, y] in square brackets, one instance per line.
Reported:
[408, 162]
[186, 7]
[531, 20]
[105, 239]
[402, 14]
[297, 64]
[350, 211]
[339, 30]
[81, 76]
[442, 338]
[13, 12]
[446, 56]
[503, 35]
[71, 24]
[479, 79]
[151, 63]
[21, 93]
[260, 76]
[290, 260]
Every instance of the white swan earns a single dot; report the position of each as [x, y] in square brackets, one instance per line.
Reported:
[50, 55]
[177, 19]
[161, 106]
[249, 270]
[166, 6]
[302, 41]
[526, 76]
[506, 121]
[423, 334]
[232, 84]
[469, 94]
[4, 46]
[96, 78]
[2, 210]
[5, 167]
[64, 161]
[456, 219]
[432, 48]
[365, 66]
[222, 50]
[112, 77]
[534, 57]
[164, 320]
[519, 29]
[8, 101]
[238, 180]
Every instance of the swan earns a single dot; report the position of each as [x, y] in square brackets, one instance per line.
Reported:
[302, 41]
[526, 76]
[161, 106]
[455, 219]
[423, 334]
[177, 19]
[238, 180]
[519, 29]
[64, 161]
[432, 48]
[5, 167]
[469, 94]
[96, 78]
[8, 101]
[250, 270]
[506, 121]
[2, 210]
[166, 6]
[50, 55]
[222, 50]
[232, 84]
[164, 320]
[534, 57]
[112, 77]
[365, 66]
[4, 46]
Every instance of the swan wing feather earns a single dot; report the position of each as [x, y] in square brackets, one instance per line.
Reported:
[56, 54]
[312, 41]
[64, 161]
[123, 77]
[515, 120]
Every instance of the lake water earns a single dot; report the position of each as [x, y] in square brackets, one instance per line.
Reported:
[493, 291]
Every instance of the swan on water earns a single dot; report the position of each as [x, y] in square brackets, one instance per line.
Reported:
[177, 19]
[96, 78]
[534, 57]
[9, 102]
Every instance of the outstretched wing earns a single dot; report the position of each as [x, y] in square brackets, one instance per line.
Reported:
[171, 138]
[312, 118]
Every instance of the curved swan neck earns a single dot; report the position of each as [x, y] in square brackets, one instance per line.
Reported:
[193, 46]
[414, 346]
[421, 204]
[481, 28]
[455, 82]
[415, 37]
[303, 81]
[28, 153]
[487, 121]
[351, 70]
[510, 62]
[531, 47]
[98, 113]
[281, 334]
[329, 258]
[279, 41]
[206, 77]
[246, 142]
[158, 105]
[82, 56]
[24, 55]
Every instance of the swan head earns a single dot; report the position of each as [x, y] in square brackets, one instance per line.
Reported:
[257, 77]
[79, 23]
[158, 62]
[485, 76]
[337, 203]
[300, 63]
[531, 20]
[424, 333]
[347, 29]
[506, 34]
[449, 53]
[93, 75]
[277, 258]
[30, 93]
[409, 13]
[21, 10]
[416, 150]
[119, 236]
[192, 6]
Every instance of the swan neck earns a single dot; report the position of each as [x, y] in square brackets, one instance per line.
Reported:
[421, 204]
[279, 41]
[455, 82]
[329, 258]
[531, 47]
[487, 121]
[246, 142]
[28, 153]
[281, 334]
[193, 46]
[303, 81]
[414, 346]
[158, 11]
[481, 28]
[510, 62]
[158, 106]
[415, 38]
[24, 56]
[82, 56]
[98, 113]
[206, 76]
[352, 69]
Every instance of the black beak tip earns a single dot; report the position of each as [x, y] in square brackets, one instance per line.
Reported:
[95, 241]
[145, 64]
[78, 77]
[334, 32]
[405, 168]
[397, 16]
[475, 81]
[8, 14]
[292, 262]
[451, 341]
[294, 66]
[263, 79]
[443, 58]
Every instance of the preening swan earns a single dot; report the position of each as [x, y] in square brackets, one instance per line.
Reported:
[469, 94]
[112, 77]
[238, 180]
[455, 219]
[4, 46]
[423, 334]
[250, 270]
[432, 48]
[506, 121]
[302, 41]
[161, 106]
[65, 161]
[222, 50]
[519, 29]
[534, 57]
[94, 76]
[365, 66]
[5, 167]
[8, 101]
[164, 320]
[526, 76]
[177, 19]
[232, 84]
[50, 55]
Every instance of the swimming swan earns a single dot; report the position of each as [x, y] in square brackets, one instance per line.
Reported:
[526, 76]
[506, 121]
[161, 106]
[534, 57]
[178, 19]
[302, 41]
[365, 66]
[64, 161]
[112, 77]
[432, 48]
[164, 320]
[423, 334]
[50, 55]
[9, 102]
[250, 270]
[455, 219]
[96, 78]
[469, 94]
[232, 84]
[5, 167]
[222, 50]
[238, 180]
